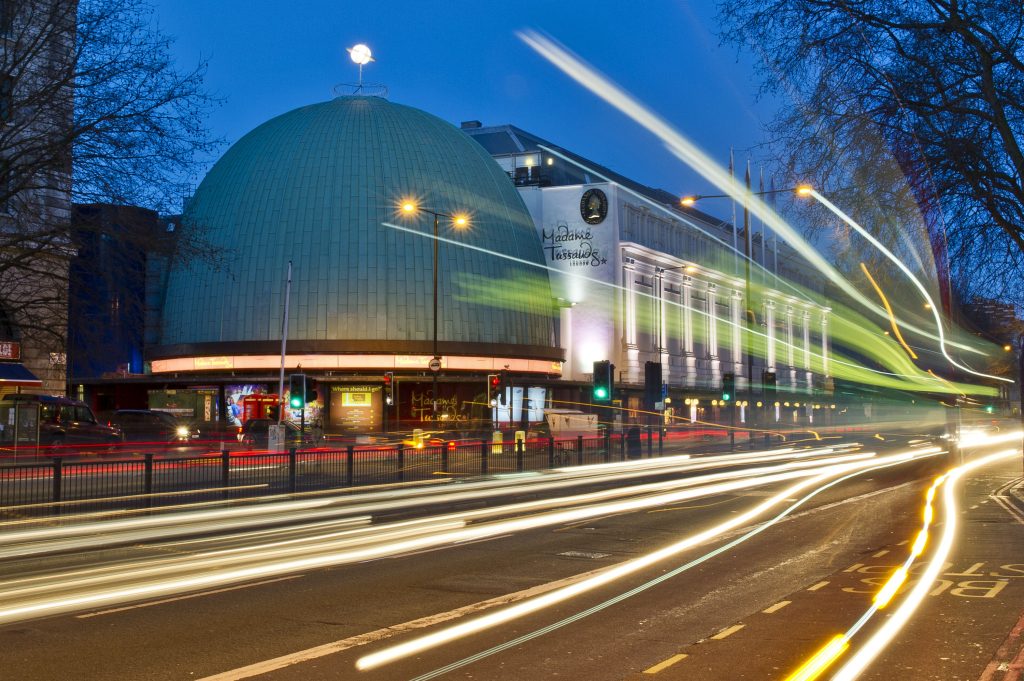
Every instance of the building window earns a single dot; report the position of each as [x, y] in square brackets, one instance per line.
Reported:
[6, 97]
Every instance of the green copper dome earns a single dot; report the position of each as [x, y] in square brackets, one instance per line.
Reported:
[316, 186]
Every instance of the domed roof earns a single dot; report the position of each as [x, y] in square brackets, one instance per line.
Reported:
[316, 186]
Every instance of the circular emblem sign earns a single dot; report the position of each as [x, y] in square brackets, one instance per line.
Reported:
[594, 206]
[435, 364]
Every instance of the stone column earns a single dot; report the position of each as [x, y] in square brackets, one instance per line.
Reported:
[661, 337]
[689, 359]
[736, 316]
[790, 348]
[808, 374]
[712, 340]
[629, 324]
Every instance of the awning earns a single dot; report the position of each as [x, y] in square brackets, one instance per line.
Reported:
[15, 374]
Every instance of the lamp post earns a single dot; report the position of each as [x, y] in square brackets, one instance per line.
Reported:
[688, 201]
[458, 220]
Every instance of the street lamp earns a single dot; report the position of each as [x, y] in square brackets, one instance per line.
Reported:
[459, 220]
[802, 190]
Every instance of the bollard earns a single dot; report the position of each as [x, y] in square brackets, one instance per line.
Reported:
[661, 441]
[349, 464]
[58, 473]
[225, 470]
[622, 445]
[483, 457]
[401, 464]
[551, 452]
[444, 457]
[579, 450]
[607, 446]
[650, 442]
[520, 446]
[291, 470]
[147, 479]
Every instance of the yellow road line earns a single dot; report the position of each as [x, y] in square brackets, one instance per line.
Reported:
[775, 608]
[727, 632]
[664, 664]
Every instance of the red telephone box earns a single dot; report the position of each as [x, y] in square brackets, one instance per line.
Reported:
[259, 406]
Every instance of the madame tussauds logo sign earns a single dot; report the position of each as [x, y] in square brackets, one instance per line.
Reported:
[571, 245]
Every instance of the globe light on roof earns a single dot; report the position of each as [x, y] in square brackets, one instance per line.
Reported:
[460, 220]
[408, 207]
[688, 200]
[360, 54]
[804, 190]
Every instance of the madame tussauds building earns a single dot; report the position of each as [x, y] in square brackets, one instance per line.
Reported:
[347, 192]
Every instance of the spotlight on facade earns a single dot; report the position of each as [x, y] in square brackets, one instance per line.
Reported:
[804, 190]
[688, 201]
[408, 207]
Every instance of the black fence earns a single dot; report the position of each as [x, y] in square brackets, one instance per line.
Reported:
[77, 484]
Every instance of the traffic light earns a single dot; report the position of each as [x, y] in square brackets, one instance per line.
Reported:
[311, 391]
[652, 384]
[493, 385]
[604, 372]
[728, 387]
[768, 379]
[389, 388]
[297, 391]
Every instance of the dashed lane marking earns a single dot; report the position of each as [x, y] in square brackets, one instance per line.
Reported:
[817, 586]
[880, 553]
[665, 664]
[724, 633]
[854, 567]
[904, 542]
[775, 608]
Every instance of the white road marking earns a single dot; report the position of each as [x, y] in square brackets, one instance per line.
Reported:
[880, 553]
[268, 666]
[817, 586]
[183, 598]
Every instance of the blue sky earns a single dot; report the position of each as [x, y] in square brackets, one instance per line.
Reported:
[462, 60]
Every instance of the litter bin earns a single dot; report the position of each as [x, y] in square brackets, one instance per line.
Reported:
[633, 449]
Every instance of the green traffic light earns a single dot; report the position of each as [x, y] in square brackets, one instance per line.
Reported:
[296, 403]
[600, 393]
[726, 397]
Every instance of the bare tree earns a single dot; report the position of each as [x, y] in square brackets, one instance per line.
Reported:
[92, 109]
[914, 111]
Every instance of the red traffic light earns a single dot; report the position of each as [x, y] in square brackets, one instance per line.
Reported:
[388, 378]
[495, 381]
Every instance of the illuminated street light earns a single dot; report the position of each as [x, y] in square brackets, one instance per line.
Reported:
[409, 207]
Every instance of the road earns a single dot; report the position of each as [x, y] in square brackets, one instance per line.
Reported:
[307, 591]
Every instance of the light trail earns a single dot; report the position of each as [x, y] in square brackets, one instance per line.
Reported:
[643, 587]
[873, 647]
[35, 597]
[455, 632]
[910, 275]
[892, 586]
[696, 159]
[888, 309]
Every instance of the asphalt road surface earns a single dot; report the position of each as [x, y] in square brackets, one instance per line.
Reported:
[754, 601]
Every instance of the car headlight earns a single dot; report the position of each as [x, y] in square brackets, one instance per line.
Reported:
[182, 431]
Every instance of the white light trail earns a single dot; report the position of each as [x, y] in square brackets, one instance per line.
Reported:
[703, 164]
[910, 275]
[474, 626]
[874, 646]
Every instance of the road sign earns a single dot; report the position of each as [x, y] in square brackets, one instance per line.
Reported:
[435, 364]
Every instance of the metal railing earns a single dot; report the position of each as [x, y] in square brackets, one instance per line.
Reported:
[65, 484]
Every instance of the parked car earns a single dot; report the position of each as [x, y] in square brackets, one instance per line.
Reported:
[58, 421]
[256, 433]
[148, 425]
